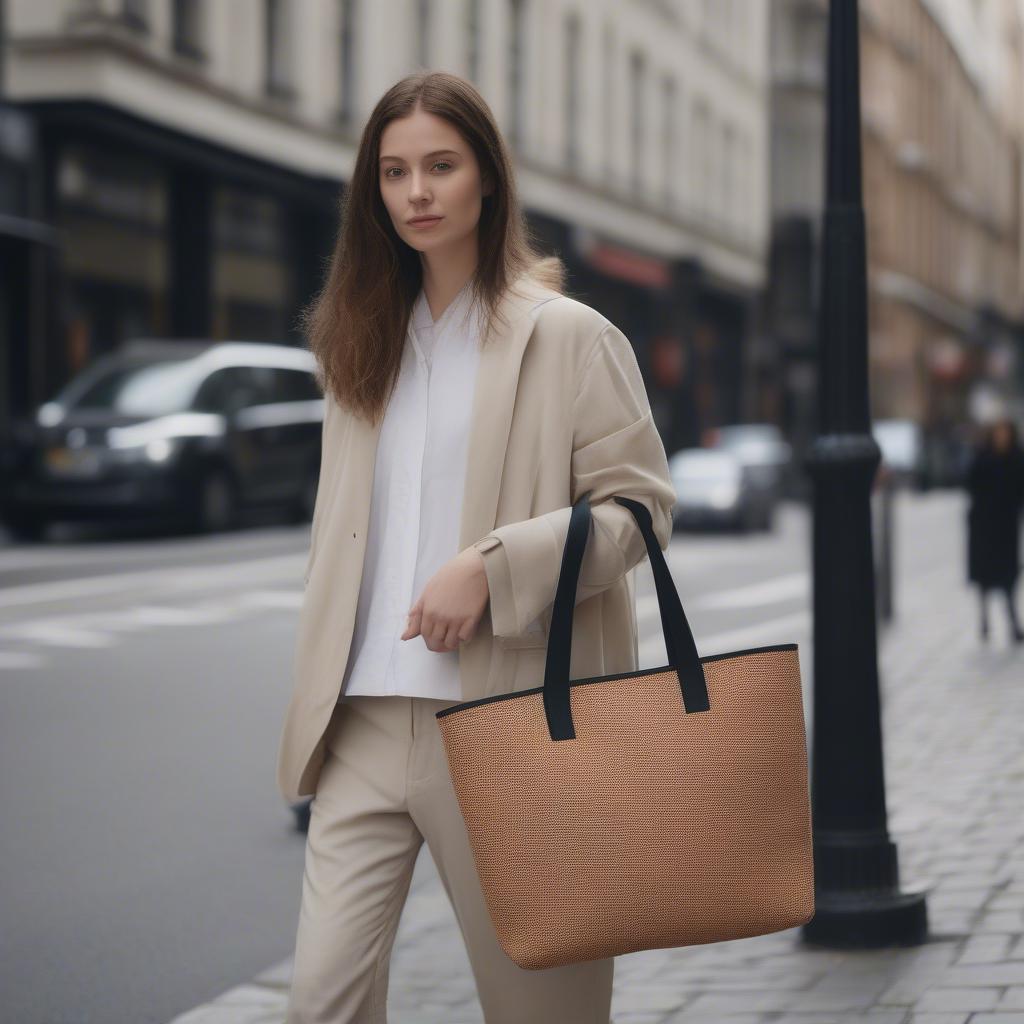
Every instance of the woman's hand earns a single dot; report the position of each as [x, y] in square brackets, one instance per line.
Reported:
[452, 603]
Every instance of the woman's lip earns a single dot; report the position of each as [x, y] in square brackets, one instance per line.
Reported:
[424, 223]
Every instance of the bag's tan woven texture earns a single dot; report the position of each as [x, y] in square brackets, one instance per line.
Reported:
[641, 810]
[652, 828]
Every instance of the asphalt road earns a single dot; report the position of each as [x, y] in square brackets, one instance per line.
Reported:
[148, 861]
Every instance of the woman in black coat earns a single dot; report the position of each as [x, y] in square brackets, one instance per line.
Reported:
[995, 483]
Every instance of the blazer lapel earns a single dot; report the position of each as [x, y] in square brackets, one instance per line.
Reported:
[489, 424]
[491, 415]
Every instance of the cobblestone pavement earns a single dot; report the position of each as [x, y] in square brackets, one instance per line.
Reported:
[953, 717]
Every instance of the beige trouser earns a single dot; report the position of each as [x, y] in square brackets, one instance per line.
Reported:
[384, 788]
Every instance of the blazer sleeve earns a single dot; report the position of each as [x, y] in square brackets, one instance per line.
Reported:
[617, 450]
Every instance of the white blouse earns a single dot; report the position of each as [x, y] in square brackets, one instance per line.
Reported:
[418, 480]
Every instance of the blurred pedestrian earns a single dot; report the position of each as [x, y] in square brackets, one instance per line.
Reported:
[995, 484]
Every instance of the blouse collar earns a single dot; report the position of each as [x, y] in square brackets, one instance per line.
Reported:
[421, 315]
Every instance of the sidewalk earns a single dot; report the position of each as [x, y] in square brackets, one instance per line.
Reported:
[953, 720]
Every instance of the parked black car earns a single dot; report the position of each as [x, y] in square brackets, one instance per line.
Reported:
[190, 430]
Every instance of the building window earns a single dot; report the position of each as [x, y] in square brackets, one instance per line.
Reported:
[278, 53]
[111, 211]
[742, 200]
[346, 55]
[423, 24]
[637, 79]
[135, 13]
[607, 119]
[572, 92]
[516, 57]
[473, 38]
[251, 274]
[668, 133]
[727, 202]
[700, 147]
[187, 28]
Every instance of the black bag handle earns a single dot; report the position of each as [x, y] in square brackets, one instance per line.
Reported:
[679, 645]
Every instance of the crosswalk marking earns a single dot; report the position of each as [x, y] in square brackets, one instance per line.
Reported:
[764, 592]
[20, 659]
[103, 629]
[59, 633]
[161, 581]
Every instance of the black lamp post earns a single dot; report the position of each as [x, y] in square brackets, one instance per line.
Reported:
[858, 902]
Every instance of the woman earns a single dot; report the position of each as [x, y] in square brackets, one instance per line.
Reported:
[468, 404]
[995, 483]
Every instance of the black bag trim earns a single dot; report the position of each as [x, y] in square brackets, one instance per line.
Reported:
[679, 644]
[633, 674]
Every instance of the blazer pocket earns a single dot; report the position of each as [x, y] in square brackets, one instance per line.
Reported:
[526, 670]
[523, 640]
[535, 635]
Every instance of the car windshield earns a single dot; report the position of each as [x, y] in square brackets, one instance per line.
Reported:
[137, 389]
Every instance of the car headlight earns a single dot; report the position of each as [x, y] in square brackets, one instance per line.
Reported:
[156, 451]
[160, 449]
[159, 439]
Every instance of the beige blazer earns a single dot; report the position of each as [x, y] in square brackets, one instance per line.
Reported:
[559, 409]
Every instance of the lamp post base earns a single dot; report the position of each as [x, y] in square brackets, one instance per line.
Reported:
[868, 919]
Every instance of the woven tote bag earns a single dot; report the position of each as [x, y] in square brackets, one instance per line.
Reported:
[647, 809]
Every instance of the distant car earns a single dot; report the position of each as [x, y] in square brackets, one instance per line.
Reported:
[195, 431]
[904, 455]
[761, 448]
[714, 488]
[766, 458]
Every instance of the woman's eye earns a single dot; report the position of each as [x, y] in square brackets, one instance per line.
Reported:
[388, 174]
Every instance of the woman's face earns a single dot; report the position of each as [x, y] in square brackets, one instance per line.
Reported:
[427, 168]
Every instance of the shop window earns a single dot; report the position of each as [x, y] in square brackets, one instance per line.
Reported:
[187, 28]
[111, 211]
[252, 279]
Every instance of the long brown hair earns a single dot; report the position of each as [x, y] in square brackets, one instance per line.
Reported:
[357, 323]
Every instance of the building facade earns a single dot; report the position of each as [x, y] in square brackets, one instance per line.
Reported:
[942, 144]
[190, 156]
[943, 171]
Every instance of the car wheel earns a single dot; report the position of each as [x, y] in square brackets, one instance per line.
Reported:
[216, 507]
[26, 527]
